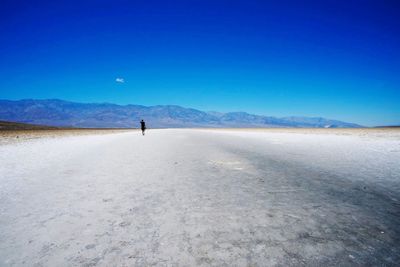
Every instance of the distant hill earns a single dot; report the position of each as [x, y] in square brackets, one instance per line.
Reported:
[10, 126]
[56, 112]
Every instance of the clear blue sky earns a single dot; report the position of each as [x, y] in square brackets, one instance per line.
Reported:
[336, 59]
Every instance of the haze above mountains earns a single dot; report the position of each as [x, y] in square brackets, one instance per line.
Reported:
[54, 112]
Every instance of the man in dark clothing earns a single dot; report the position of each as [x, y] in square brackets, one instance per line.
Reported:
[143, 126]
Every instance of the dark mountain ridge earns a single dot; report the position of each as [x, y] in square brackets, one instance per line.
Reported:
[55, 112]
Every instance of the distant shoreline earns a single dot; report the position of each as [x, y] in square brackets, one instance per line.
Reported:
[22, 135]
[18, 126]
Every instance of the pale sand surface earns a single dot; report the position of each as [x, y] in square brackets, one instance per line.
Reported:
[16, 136]
[389, 132]
[226, 197]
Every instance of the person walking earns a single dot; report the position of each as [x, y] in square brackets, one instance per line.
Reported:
[142, 126]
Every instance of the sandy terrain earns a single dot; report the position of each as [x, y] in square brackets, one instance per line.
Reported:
[18, 136]
[201, 197]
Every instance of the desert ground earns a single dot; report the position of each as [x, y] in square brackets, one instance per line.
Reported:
[200, 197]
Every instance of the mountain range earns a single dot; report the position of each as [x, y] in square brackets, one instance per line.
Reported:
[55, 112]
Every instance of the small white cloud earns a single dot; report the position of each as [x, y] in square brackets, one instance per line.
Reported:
[120, 80]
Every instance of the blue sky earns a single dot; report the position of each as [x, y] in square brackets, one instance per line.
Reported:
[336, 59]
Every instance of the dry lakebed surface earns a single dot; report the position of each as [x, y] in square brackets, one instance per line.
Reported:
[200, 197]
